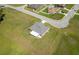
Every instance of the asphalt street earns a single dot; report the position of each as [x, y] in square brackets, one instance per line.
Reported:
[64, 22]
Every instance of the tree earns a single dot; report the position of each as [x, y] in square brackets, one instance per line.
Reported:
[1, 13]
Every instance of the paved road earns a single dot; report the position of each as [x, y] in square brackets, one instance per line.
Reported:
[69, 15]
[57, 23]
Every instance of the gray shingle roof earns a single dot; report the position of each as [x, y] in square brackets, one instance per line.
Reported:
[35, 6]
[39, 28]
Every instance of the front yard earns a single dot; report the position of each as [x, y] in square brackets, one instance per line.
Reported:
[69, 6]
[53, 16]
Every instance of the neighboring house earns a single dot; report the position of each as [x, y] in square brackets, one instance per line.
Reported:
[53, 10]
[2, 5]
[34, 6]
[60, 5]
[39, 29]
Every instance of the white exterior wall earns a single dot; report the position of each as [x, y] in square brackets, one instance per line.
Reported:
[35, 34]
[43, 21]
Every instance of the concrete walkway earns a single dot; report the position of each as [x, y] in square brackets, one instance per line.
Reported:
[56, 23]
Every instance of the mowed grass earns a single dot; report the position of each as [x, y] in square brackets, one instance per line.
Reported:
[69, 6]
[78, 11]
[16, 5]
[70, 40]
[53, 16]
[64, 11]
[10, 31]
[15, 36]
[28, 8]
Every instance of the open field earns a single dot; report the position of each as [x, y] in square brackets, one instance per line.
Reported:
[15, 31]
[16, 39]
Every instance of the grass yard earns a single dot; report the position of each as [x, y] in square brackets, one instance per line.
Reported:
[16, 39]
[64, 11]
[78, 11]
[16, 5]
[53, 16]
[46, 10]
[70, 40]
[69, 6]
[28, 8]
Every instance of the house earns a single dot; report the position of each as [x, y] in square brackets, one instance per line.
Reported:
[34, 6]
[53, 10]
[2, 5]
[38, 29]
[60, 5]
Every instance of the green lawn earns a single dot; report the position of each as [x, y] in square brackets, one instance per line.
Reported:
[70, 40]
[15, 35]
[69, 6]
[46, 10]
[16, 39]
[64, 11]
[28, 8]
[78, 11]
[16, 5]
[53, 16]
